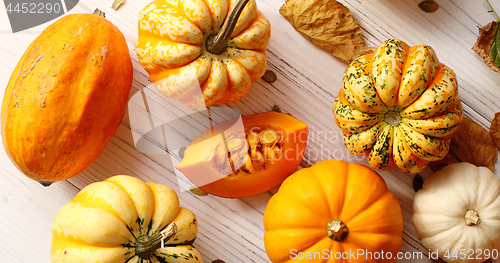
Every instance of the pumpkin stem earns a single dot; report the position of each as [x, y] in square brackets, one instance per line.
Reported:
[393, 118]
[498, 18]
[98, 12]
[146, 245]
[336, 230]
[471, 217]
[46, 183]
[217, 44]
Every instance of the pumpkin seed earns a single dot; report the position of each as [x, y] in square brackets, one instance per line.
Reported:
[260, 148]
[258, 156]
[248, 164]
[275, 152]
[220, 154]
[46, 183]
[268, 137]
[253, 139]
[117, 3]
[197, 191]
[418, 182]
[277, 108]
[429, 6]
[181, 152]
[269, 76]
[234, 144]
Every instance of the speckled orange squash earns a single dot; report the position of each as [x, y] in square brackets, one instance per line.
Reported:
[66, 97]
[399, 106]
[174, 48]
[333, 211]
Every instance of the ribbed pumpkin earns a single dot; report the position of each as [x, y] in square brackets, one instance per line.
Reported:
[456, 213]
[124, 219]
[399, 106]
[175, 48]
[66, 97]
[330, 209]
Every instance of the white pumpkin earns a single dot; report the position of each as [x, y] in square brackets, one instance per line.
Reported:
[457, 213]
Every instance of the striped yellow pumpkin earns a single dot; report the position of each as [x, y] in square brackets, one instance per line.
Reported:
[124, 219]
[399, 106]
[174, 48]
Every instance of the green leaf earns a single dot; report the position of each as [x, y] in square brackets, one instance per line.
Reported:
[495, 48]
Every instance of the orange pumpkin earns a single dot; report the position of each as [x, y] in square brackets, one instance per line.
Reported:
[66, 97]
[234, 162]
[203, 52]
[333, 210]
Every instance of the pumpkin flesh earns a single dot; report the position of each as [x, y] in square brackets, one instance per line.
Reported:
[232, 182]
[66, 97]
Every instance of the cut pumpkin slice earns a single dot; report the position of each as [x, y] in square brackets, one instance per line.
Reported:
[245, 156]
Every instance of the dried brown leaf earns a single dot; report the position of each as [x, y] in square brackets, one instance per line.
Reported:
[329, 25]
[495, 130]
[470, 143]
[483, 43]
[448, 159]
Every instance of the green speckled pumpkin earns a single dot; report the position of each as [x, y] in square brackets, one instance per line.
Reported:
[399, 106]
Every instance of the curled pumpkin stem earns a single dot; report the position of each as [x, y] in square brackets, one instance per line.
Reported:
[98, 12]
[147, 245]
[217, 44]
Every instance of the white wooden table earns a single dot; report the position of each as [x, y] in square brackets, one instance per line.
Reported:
[308, 81]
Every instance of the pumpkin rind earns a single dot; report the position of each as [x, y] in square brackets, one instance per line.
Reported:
[197, 164]
[172, 49]
[103, 222]
[296, 217]
[439, 209]
[399, 106]
[66, 97]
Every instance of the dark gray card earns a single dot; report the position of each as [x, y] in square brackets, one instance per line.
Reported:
[24, 14]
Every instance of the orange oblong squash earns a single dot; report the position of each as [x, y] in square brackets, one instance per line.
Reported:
[241, 158]
[66, 97]
[333, 211]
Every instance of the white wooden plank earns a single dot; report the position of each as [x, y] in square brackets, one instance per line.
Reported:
[308, 81]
